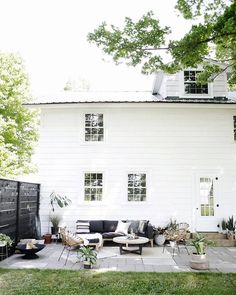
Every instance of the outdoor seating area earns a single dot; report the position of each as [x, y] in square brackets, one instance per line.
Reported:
[222, 259]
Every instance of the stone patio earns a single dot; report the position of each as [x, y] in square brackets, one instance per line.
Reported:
[222, 259]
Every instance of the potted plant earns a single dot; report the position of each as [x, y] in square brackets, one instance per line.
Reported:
[88, 256]
[56, 200]
[224, 226]
[159, 235]
[230, 226]
[5, 240]
[55, 220]
[199, 259]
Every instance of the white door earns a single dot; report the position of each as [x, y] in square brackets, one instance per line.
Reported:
[207, 203]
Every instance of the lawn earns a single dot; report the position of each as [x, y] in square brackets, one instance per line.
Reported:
[49, 282]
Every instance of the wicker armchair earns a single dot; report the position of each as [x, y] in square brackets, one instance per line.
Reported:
[69, 241]
[177, 236]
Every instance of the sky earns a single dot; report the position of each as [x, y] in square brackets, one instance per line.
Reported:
[51, 37]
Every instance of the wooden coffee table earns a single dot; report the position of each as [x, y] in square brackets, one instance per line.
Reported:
[124, 243]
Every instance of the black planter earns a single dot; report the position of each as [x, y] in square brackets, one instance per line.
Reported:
[87, 266]
[54, 230]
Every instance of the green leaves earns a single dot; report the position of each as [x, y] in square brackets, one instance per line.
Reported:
[145, 42]
[18, 125]
[134, 42]
[61, 201]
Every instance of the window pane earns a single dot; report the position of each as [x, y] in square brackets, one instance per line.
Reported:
[93, 186]
[93, 127]
[137, 187]
[190, 83]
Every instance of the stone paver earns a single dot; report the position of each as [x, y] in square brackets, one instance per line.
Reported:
[222, 259]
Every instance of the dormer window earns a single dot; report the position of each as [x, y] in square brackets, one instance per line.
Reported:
[190, 83]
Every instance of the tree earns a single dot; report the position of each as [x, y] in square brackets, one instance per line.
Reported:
[18, 125]
[145, 41]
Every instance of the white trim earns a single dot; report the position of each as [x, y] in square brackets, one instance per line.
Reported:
[197, 96]
[136, 171]
[82, 128]
[95, 203]
[217, 187]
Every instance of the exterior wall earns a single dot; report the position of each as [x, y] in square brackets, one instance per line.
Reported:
[171, 144]
[173, 85]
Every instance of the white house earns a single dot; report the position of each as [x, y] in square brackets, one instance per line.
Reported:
[140, 155]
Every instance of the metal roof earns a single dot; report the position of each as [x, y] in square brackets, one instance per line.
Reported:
[120, 97]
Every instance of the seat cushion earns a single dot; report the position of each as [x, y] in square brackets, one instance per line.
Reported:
[109, 225]
[96, 226]
[111, 235]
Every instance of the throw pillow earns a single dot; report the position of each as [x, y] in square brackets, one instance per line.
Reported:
[142, 226]
[122, 227]
[134, 224]
[82, 227]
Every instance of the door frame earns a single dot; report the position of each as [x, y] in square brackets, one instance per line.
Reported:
[217, 176]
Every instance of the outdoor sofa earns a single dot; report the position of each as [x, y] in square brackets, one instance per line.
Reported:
[110, 229]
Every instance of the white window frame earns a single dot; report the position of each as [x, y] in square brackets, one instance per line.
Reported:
[193, 95]
[127, 187]
[93, 187]
[95, 127]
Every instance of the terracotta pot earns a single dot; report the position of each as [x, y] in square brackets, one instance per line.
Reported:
[47, 238]
[199, 261]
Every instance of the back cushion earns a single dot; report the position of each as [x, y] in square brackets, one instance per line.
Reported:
[109, 225]
[96, 226]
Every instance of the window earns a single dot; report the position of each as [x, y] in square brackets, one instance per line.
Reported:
[207, 196]
[93, 186]
[137, 187]
[234, 118]
[190, 84]
[94, 130]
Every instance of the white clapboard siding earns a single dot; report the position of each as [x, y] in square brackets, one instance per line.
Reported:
[170, 145]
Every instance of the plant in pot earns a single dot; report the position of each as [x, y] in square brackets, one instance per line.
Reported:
[5, 240]
[159, 235]
[230, 226]
[55, 221]
[88, 256]
[56, 201]
[224, 226]
[199, 259]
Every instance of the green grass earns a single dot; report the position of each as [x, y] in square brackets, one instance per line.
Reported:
[50, 282]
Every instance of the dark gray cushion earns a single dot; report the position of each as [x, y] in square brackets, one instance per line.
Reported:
[96, 226]
[109, 225]
[134, 224]
[111, 235]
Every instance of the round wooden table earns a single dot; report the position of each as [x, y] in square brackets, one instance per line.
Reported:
[125, 243]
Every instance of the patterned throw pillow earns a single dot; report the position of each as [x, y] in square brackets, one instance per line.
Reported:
[82, 227]
[142, 226]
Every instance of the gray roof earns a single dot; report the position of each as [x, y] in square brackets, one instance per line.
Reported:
[67, 97]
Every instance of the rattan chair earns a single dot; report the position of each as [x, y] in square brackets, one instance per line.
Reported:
[178, 236]
[69, 241]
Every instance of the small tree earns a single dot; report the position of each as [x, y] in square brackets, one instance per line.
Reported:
[18, 125]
